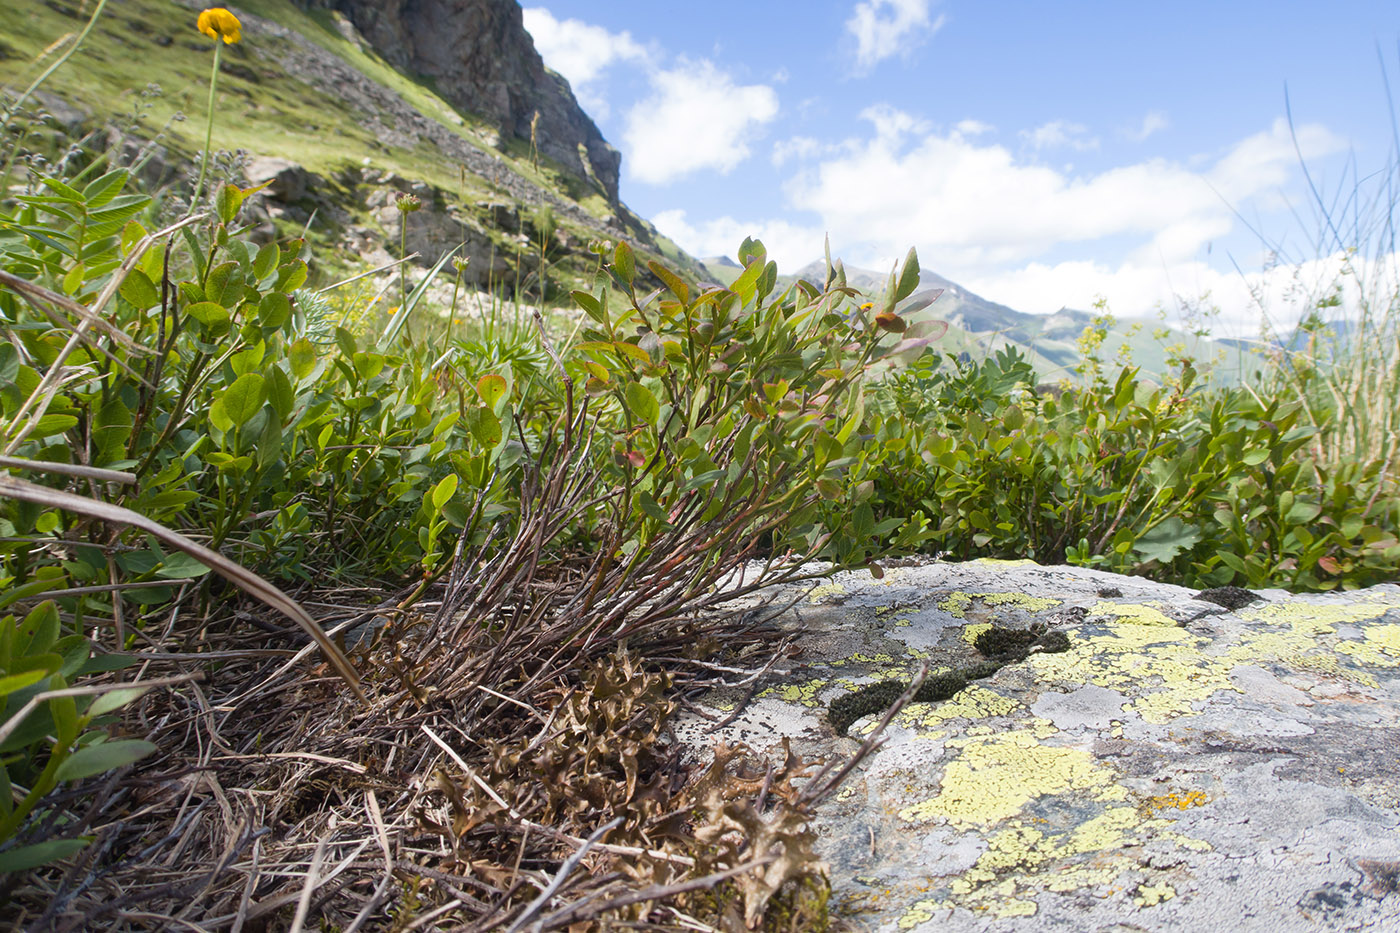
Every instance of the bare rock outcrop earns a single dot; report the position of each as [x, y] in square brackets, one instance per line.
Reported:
[1178, 761]
[482, 61]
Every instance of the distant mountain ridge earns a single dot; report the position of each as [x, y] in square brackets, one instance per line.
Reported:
[979, 326]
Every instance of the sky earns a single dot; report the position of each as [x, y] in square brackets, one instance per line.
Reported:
[1043, 155]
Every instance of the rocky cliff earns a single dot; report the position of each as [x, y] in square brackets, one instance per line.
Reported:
[479, 57]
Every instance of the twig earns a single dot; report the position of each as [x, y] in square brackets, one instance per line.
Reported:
[560, 876]
[70, 469]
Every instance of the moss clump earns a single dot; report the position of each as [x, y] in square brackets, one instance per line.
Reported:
[1231, 597]
[870, 699]
[941, 687]
[1005, 643]
[982, 670]
[1002, 646]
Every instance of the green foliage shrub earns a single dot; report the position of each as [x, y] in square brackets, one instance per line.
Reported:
[1201, 487]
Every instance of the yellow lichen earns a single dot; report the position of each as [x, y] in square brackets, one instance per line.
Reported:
[974, 702]
[995, 776]
[820, 593]
[970, 632]
[1150, 895]
[957, 604]
[803, 693]
[1313, 618]
[1134, 613]
[999, 562]
[1381, 647]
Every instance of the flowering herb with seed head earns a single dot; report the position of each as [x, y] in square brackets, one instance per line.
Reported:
[218, 23]
[408, 203]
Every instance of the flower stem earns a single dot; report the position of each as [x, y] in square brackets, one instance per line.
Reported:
[208, 129]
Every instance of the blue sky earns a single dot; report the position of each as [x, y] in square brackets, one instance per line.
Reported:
[1040, 154]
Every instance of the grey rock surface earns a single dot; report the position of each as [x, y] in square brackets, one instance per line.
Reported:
[1182, 767]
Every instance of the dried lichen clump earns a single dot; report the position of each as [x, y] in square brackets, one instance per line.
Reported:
[601, 769]
[1001, 646]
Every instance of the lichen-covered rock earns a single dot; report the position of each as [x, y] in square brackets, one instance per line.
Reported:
[1182, 766]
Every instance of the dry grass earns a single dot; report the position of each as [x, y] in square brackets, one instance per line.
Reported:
[512, 768]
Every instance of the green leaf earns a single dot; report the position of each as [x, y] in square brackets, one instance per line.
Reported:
[492, 388]
[104, 189]
[302, 355]
[642, 403]
[908, 276]
[1167, 540]
[279, 392]
[114, 700]
[13, 682]
[623, 262]
[245, 398]
[212, 315]
[41, 853]
[443, 491]
[228, 201]
[484, 426]
[590, 306]
[218, 416]
[180, 565]
[291, 276]
[225, 284]
[652, 509]
[99, 759]
[745, 285]
[50, 425]
[38, 632]
[1301, 513]
[138, 289]
[673, 281]
[274, 309]
[269, 254]
[71, 195]
[368, 365]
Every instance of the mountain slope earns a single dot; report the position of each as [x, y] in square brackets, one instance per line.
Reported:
[351, 125]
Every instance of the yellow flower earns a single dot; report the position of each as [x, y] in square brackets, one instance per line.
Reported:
[218, 23]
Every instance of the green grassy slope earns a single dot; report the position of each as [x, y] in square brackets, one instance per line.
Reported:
[276, 99]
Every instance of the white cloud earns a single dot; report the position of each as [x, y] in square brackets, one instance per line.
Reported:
[696, 118]
[581, 52]
[792, 245]
[1280, 295]
[989, 219]
[800, 148]
[1153, 122]
[973, 127]
[977, 206]
[1060, 134]
[883, 28]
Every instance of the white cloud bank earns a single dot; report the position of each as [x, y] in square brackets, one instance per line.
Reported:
[883, 28]
[696, 118]
[981, 215]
